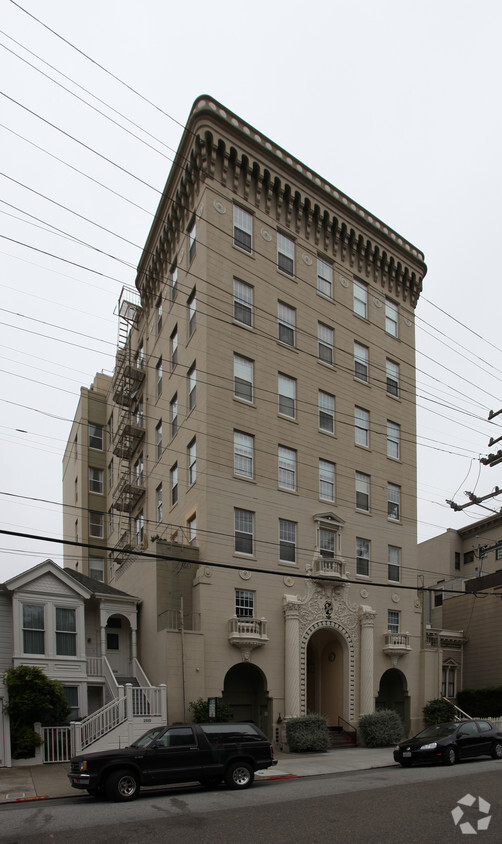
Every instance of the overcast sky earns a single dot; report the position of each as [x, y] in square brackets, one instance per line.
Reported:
[395, 103]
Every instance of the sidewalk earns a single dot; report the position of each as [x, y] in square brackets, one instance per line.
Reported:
[44, 781]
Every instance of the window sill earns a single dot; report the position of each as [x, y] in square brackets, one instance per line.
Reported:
[244, 478]
[392, 396]
[288, 418]
[244, 401]
[241, 555]
[287, 346]
[244, 325]
[362, 381]
[243, 251]
[330, 366]
[363, 512]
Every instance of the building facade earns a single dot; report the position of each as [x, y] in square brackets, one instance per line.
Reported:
[258, 449]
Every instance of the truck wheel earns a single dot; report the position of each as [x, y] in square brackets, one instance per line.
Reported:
[239, 775]
[122, 786]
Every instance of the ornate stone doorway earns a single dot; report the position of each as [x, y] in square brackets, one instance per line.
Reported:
[245, 692]
[393, 694]
[325, 675]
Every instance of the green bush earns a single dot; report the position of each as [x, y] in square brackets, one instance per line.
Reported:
[200, 711]
[381, 728]
[438, 712]
[481, 703]
[32, 697]
[308, 733]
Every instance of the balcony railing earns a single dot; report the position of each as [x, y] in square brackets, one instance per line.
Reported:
[129, 435]
[127, 494]
[126, 383]
[247, 632]
[329, 566]
[396, 644]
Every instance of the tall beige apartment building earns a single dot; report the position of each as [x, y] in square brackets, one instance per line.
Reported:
[257, 465]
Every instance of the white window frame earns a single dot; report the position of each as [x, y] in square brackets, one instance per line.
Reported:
[243, 531]
[192, 312]
[394, 502]
[286, 468]
[95, 436]
[174, 347]
[393, 440]
[192, 461]
[192, 529]
[158, 439]
[286, 395]
[361, 426]
[325, 343]
[392, 378]
[244, 603]
[361, 362]
[158, 374]
[173, 406]
[192, 387]
[286, 324]
[65, 635]
[192, 240]
[243, 379]
[363, 489]
[326, 480]
[97, 568]
[96, 480]
[158, 308]
[139, 527]
[158, 502]
[243, 229]
[285, 254]
[96, 524]
[391, 318]
[174, 282]
[173, 474]
[363, 548]
[360, 301]
[393, 621]
[394, 563]
[326, 412]
[324, 278]
[287, 541]
[243, 302]
[31, 629]
[243, 454]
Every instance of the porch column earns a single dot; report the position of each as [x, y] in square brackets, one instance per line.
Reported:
[291, 609]
[366, 701]
[134, 643]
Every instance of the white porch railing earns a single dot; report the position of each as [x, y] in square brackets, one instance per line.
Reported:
[98, 724]
[56, 744]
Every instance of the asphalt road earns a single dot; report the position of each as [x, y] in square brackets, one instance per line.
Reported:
[382, 805]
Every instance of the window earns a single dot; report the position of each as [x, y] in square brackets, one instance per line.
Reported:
[324, 278]
[96, 481]
[362, 491]
[173, 405]
[243, 454]
[287, 468]
[391, 317]
[192, 461]
[393, 439]
[362, 557]
[394, 502]
[76, 490]
[192, 312]
[286, 323]
[97, 568]
[140, 362]
[96, 525]
[448, 682]
[243, 229]
[243, 302]
[244, 529]
[110, 520]
[139, 527]
[360, 299]
[325, 343]
[71, 695]
[327, 543]
[498, 554]
[468, 557]
[158, 374]
[392, 377]
[394, 566]
[243, 378]
[174, 484]
[158, 499]
[174, 282]
[138, 411]
[285, 254]
[360, 362]
[362, 426]
[158, 440]
[326, 412]
[393, 621]
[33, 629]
[326, 480]
[192, 387]
[139, 471]
[174, 348]
[192, 240]
[110, 474]
[96, 436]
[66, 632]
[158, 308]
[457, 560]
[192, 530]
[244, 603]
[286, 390]
[287, 541]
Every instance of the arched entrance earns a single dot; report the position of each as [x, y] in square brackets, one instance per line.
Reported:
[393, 694]
[245, 692]
[118, 645]
[325, 658]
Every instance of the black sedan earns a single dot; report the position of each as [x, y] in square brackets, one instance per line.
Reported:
[447, 743]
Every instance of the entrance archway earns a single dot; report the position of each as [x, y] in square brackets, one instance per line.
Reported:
[245, 692]
[393, 694]
[325, 673]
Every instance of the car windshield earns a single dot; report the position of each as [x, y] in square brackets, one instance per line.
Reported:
[436, 731]
[148, 737]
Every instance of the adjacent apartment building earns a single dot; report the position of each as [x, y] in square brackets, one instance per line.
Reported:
[250, 470]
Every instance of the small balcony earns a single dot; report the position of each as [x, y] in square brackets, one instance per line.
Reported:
[126, 383]
[331, 567]
[396, 644]
[247, 633]
[128, 437]
[127, 494]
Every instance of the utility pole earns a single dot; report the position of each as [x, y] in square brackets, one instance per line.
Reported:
[490, 460]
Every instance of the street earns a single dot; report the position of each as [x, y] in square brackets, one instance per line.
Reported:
[384, 804]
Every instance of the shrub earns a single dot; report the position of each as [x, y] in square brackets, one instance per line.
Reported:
[200, 711]
[438, 711]
[32, 697]
[308, 733]
[381, 728]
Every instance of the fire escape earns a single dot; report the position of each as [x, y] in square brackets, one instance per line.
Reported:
[127, 387]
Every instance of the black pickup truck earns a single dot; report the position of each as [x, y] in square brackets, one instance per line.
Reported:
[205, 753]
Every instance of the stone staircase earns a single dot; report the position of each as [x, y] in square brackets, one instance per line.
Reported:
[338, 738]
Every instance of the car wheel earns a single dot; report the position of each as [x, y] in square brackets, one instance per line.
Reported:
[239, 775]
[122, 786]
[497, 750]
[450, 756]
[406, 763]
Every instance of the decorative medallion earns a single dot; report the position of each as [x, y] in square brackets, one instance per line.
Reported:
[377, 302]
[364, 593]
[328, 609]
[395, 598]
[407, 322]
[221, 209]
[266, 235]
[245, 575]
[307, 259]
[288, 580]
[344, 281]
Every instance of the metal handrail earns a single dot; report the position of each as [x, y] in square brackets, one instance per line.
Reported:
[349, 725]
[464, 714]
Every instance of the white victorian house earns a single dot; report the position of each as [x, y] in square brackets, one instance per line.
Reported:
[82, 633]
